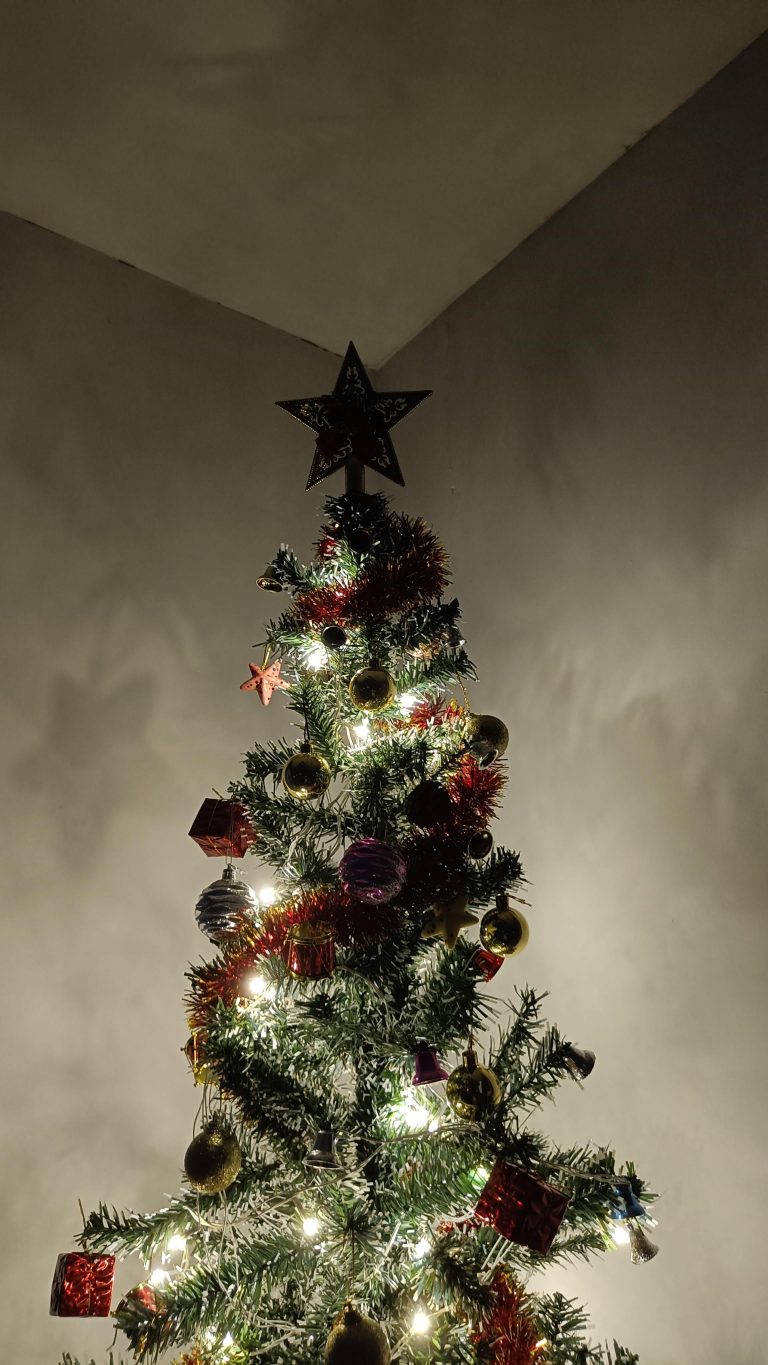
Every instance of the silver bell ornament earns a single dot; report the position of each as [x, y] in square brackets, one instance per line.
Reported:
[641, 1247]
[224, 906]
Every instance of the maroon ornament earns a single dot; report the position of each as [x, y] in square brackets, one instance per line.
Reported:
[427, 1070]
[264, 681]
[82, 1285]
[143, 1295]
[521, 1207]
[486, 963]
[372, 871]
[311, 951]
[222, 829]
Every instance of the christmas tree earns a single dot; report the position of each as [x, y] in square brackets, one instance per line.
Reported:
[368, 1182]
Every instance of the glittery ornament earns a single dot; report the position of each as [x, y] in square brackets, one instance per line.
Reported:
[428, 804]
[472, 1090]
[503, 930]
[521, 1207]
[334, 637]
[264, 680]
[372, 871]
[447, 918]
[225, 906]
[82, 1285]
[222, 829]
[306, 776]
[310, 950]
[356, 1340]
[480, 844]
[213, 1159]
[487, 738]
[372, 689]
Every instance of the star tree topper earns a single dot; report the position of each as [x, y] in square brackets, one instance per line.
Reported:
[353, 424]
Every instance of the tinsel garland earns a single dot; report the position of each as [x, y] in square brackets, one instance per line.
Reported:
[412, 569]
[475, 793]
[509, 1335]
[222, 979]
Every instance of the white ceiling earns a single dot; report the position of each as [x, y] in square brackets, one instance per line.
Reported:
[335, 168]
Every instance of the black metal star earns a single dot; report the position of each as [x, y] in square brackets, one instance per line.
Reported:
[353, 424]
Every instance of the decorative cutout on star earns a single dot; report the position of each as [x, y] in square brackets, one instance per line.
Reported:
[353, 422]
[264, 681]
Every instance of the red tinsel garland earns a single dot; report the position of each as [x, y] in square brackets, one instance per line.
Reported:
[412, 570]
[224, 978]
[475, 793]
[509, 1335]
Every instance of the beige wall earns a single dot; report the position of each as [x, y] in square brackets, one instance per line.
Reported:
[596, 463]
[594, 459]
[147, 478]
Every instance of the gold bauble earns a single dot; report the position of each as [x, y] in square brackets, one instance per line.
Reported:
[503, 930]
[212, 1160]
[472, 1090]
[372, 689]
[487, 737]
[355, 1340]
[306, 776]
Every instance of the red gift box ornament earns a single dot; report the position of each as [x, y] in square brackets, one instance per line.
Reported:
[82, 1285]
[486, 963]
[521, 1207]
[311, 951]
[222, 829]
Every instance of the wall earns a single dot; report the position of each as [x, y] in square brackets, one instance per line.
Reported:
[595, 462]
[148, 478]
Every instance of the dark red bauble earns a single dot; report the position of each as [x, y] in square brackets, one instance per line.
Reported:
[480, 844]
[359, 540]
[428, 804]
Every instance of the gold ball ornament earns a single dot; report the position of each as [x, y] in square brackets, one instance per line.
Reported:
[503, 930]
[487, 738]
[472, 1090]
[213, 1159]
[356, 1340]
[306, 776]
[372, 689]
[446, 920]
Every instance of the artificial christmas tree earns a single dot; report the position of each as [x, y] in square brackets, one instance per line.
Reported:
[341, 1206]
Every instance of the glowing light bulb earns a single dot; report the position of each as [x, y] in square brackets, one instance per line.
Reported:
[317, 656]
[421, 1249]
[412, 1114]
[159, 1277]
[310, 1227]
[433, 1125]
[228, 1340]
[177, 1242]
[421, 1323]
[407, 702]
[541, 1344]
[267, 895]
[362, 733]
[620, 1234]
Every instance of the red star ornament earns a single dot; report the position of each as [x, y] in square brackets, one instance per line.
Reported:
[264, 681]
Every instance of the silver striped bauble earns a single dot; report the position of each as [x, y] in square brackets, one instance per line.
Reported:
[222, 906]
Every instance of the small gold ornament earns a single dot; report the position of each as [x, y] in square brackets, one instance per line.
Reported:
[213, 1159]
[503, 930]
[305, 775]
[356, 1340]
[446, 919]
[472, 1090]
[487, 738]
[269, 581]
[372, 689]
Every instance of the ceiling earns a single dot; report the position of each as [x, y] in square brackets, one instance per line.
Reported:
[335, 168]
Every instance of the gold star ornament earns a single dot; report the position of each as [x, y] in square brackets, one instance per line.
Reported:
[446, 920]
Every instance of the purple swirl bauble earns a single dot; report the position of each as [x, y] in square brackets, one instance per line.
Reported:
[372, 871]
